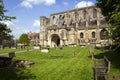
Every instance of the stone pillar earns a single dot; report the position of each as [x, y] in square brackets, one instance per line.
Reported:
[98, 35]
[86, 36]
[61, 42]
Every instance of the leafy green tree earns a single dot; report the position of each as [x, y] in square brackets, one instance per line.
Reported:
[24, 39]
[4, 30]
[5, 33]
[111, 10]
[109, 7]
[2, 13]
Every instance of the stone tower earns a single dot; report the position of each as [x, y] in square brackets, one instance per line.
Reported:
[43, 30]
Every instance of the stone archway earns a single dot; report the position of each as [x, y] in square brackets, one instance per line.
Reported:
[55, 40]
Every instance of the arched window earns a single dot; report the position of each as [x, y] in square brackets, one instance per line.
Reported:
[92, 23]
[84, 14]
[61, 20]
[81, 35]
[76, 15]
[71, 22]
[94, 13]
[63, 16]
[104, 34]
[60, 17]
[83, 24]
[95, 22]
[54, 20]
[93, 34]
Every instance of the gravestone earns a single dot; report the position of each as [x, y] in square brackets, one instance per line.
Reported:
[11, 54]
[36, 47]
[44, 50]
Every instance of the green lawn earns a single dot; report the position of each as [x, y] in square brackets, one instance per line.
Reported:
[7, 49]
[74, 65]
[70, 67]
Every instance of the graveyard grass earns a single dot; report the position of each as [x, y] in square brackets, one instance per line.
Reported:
[7, 49]
[76, 64]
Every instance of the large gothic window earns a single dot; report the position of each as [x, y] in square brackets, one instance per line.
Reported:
[82, 24]
[54, 20]
[61, 19]
[93, 34]
[76, 16]
[71, 22]
[92, 23]
[104, 34]
[84, 14]
[94, 13]
[81, 35]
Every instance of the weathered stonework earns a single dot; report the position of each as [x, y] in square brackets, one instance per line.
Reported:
[73, 27]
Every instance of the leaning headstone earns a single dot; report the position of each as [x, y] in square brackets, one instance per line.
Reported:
[11, 54]
[13, 47]
[36, 47]
[45, 50]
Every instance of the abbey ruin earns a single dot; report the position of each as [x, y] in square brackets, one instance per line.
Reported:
[80, 26]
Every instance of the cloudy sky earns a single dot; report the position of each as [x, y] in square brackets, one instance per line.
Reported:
[28, 12]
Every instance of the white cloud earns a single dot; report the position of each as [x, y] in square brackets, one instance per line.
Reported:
[36, 23]
[30, 3]
[49, 2]
[9, 23]
[65, 3]
[27, 4]
[84, 4]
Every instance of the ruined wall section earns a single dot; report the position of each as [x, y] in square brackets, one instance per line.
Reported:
[71, 24]
[44, 22]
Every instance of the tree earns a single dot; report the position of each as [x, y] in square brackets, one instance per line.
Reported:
[4, 33]
[109, 7]
[24, 39]
[4, 30]
[111, 10]
[2, 13]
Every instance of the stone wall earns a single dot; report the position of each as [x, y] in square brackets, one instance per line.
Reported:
[78, 26]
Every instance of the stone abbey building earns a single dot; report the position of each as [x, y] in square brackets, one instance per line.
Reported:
[79, 26]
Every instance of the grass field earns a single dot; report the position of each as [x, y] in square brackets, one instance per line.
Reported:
[74, 65]
[7, 49]
[69, 67]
